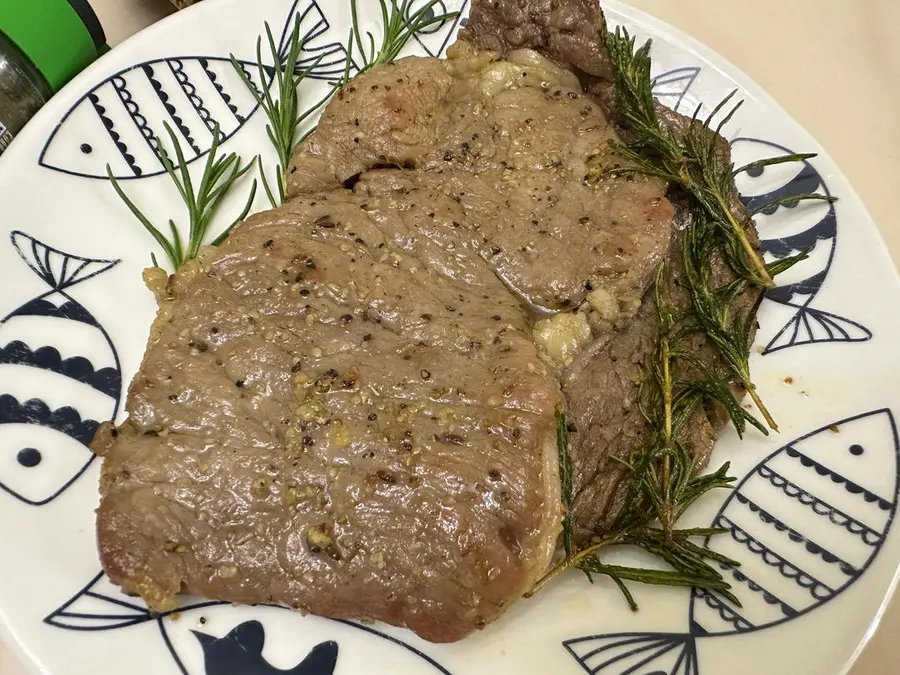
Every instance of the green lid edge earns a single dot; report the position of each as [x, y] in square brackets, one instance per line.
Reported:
[52, 35]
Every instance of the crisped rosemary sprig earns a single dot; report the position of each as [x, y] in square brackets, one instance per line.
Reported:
[688, 157]
[679, 383]
[663, 484]
[279, 100]
[202, 201]
[399, 24]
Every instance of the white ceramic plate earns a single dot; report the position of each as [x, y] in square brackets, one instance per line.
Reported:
[811, 520]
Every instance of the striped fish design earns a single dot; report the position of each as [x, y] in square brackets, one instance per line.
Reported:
[59, 378]
[805, 523]
[213, 638]
[118, 121]
[791, 227]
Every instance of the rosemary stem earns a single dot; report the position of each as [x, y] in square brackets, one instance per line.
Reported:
[665, 515]
[573, 560]
[767, 416]
[667, 388]
[765, 279]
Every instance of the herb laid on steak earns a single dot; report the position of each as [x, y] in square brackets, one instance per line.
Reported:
[354, 405]
[660, 390]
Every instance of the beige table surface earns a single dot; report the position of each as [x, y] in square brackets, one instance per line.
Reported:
[832, 64]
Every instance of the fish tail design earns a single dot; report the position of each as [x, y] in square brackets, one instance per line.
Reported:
[324, 61]
[810, 326]
[672, 86]
[58, 269]
[635, 653]
[98, 607]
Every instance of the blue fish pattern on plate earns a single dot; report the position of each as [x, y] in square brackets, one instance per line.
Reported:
[44, 447]
[805, 524]
[240, 653]
[813, 226]
[119, 120]
[209, 639]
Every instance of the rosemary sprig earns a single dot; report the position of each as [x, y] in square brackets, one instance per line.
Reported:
[688, 158]
[399, 24]
[662, 485]
[712, 308]
[679, 383]
[279, 101]
[202, 202]
[565, 474]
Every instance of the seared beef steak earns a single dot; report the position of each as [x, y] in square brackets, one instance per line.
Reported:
[331, 420]
[342, 409]
[349, 407]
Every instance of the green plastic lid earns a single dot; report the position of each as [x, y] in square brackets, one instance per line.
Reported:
[61, 37]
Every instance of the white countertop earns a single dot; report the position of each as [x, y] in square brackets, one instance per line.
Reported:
[834, 65]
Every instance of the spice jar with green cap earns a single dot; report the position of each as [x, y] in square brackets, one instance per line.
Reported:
[43, 45]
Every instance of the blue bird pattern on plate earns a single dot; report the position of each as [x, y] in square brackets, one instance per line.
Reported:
[215, 638]
[119, 120]
[805, 524]
[44, 446]
[810, 226]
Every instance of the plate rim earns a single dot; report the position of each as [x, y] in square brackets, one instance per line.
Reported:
[25, 657]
